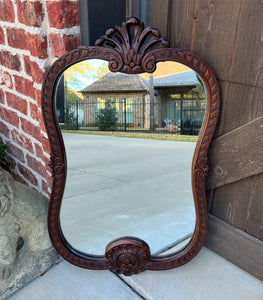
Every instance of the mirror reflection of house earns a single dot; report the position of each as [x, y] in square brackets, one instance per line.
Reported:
[182, 101]
[176, 97]
[126, 93]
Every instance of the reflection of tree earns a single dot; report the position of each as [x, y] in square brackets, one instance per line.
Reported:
[106, 118]
[72, 75]
[83, 72]
[198, 90]
[102, 70]
[72, 95]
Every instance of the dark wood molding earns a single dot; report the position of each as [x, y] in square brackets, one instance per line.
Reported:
[235, 245]
[130, 49]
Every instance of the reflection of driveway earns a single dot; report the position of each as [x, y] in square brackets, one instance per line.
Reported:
[122, 186]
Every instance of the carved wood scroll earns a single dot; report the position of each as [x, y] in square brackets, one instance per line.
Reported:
[130, 49]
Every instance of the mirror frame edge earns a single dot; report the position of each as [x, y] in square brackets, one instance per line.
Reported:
[199, 165]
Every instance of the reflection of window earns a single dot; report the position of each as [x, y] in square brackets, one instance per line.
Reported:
[123, 106]
[174, 108]
[109, 102]
[127, 110]
[190, 107]
[102, 103]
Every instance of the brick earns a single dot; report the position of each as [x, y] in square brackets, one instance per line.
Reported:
[9, 116]
[71, 41]
[22, 141]
[56, 44]
[15, 152]
[17, 38]
[6, 79]
[32, 69]
[63, 14]
[45, 144]
[39, 151]
[4, 129]
[33, 111]
[2, 37]
[36, 165]
[38, 97]
[16, 102]
[60, 45]
[47, 185]
[30, 13]
[30, 129]
[10, 61]
[7, 11]
[2, 96]
[40, 154]
[41, 122]
[24, 86]
[27, 174]
[37, 45]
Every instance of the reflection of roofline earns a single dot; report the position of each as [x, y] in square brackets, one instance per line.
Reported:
[174, 87]
[113, 91]
[103, 85]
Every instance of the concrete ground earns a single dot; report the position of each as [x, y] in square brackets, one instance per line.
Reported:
[127, 187]
[121, 186]
[208, 276]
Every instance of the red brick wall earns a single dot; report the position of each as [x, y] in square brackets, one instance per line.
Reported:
[32, 35]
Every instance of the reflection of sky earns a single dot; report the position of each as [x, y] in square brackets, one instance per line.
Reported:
[81, 80]
[167, 74]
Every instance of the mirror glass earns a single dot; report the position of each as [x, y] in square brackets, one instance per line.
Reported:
[140, 184]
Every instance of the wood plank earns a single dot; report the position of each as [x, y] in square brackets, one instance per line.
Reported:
[209, 199]
[236, 155]
[255, 210]
[159, 15]
[248, 56]
[182, 23]
[215, 33]
[231, 202]
[236, 246]
[242, 105]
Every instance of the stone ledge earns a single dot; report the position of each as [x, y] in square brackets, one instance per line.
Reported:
[25, 248]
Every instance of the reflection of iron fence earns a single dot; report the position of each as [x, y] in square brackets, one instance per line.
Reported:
[180, 116]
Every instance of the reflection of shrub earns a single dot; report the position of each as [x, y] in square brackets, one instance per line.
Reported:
[71, 120]
[127, 125]
[3, 163]
[91, 125]
[106, 119]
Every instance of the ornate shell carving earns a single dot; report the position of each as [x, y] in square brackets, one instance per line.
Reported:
[132, 41]
[127, 255]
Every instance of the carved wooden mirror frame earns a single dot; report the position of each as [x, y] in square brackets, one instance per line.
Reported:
[130, 49]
